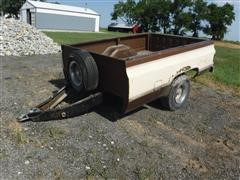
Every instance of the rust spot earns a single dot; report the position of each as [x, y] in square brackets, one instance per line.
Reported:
[184, 69]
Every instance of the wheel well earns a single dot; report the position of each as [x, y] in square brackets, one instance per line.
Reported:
[192, 73]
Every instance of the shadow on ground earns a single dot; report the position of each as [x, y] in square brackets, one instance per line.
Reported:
[109, 109]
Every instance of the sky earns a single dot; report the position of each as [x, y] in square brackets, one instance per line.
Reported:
[105, 8]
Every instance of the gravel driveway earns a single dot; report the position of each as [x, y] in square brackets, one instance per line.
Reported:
[200, 141]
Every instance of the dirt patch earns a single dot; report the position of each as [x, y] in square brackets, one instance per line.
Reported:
[200, 141]
[195, 164]
[218, 86]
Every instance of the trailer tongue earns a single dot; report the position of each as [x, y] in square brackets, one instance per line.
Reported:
[49, 109]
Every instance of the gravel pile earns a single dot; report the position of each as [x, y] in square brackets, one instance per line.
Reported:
[21, 39]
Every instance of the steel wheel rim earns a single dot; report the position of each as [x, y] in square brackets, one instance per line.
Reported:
[181, 94]
[75, 73]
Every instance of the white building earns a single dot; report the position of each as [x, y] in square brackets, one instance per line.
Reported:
[49, 16]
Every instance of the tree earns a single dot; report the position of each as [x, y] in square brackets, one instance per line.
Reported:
[198, 14]
[146, 15]
[163, 14]
[11, 7]
[125, 11]
[176, 16]
[181, 17]
[218, 18]
[153, 15]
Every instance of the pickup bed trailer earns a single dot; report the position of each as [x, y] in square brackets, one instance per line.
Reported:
[133, 70]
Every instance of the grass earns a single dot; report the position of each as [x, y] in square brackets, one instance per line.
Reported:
[145, 173]
[227, 66]
[3, 154]
[76, 37]
[226, 75]
[56, 132]
[17, 133]
[227, 59]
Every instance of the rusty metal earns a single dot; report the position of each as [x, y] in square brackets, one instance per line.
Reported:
[119, 51]
[47, 110]
[53, 101]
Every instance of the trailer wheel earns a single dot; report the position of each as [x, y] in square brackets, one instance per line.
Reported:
[178, 94]
[82, 71]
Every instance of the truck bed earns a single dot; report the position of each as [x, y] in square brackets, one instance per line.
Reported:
[125, 63]
[145, 45]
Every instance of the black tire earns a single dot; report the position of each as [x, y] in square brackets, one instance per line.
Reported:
[82, 71]
[178, 93]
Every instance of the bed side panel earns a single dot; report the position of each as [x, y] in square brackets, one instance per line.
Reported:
[138, 43]
[167, 52]
[147, 79]
[112, 77]
[165, 41]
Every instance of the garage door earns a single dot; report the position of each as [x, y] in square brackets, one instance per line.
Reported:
[63, 22]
